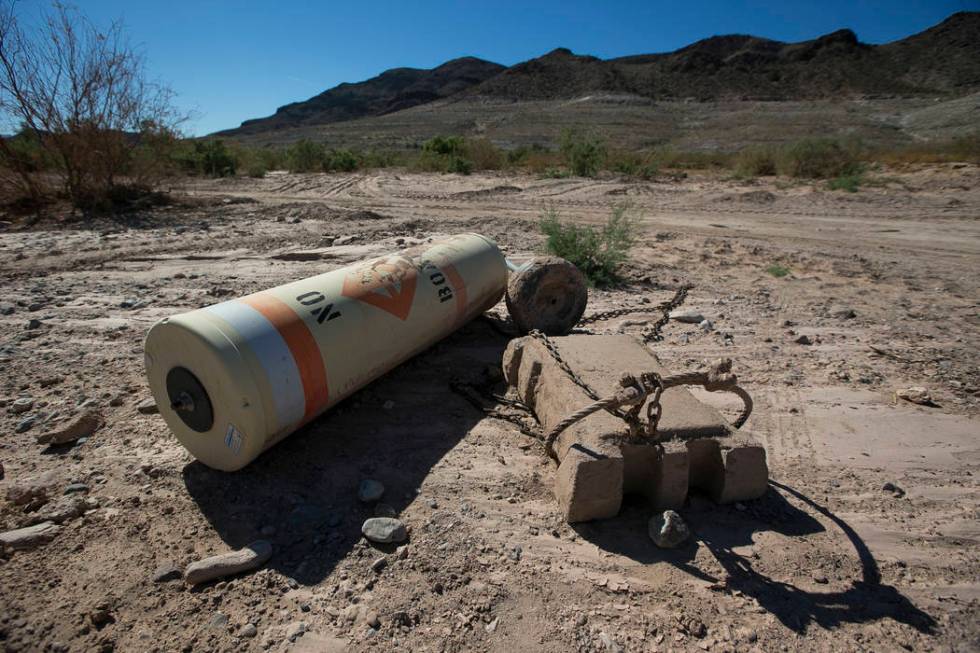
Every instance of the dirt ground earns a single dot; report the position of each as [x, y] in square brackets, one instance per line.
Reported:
[883, 282]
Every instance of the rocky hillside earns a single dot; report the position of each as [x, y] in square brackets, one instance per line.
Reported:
[392, 90]
[939, 62]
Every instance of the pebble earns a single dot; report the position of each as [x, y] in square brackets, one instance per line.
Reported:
[916, 394]
[379, 565]
[219, 620]
[84, 426]
[668, 530]
[295, 630]
[34, 324]
[249, 631]
[25, 424]
[384, 530]
[706, 325]
[370, 491]
[842, 312]
[803, 340]
[167, 572]
[22, 405]
[609, 644]
[819, 578]
[688, 317]
[896, 491]
[147, 407]
[228, 564]
[30, 537]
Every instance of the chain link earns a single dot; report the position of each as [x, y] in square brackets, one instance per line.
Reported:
[654, 408]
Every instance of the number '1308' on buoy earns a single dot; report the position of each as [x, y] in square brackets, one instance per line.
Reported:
[234, 378]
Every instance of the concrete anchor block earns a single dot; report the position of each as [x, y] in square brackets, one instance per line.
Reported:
[598, 463]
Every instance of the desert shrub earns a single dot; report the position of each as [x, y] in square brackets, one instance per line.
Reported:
[305, 156]
[584, 154]
[444, 145]
[850, 182]
[759, 161]
[777, 270]
[597, 252]
[819, 158]
[459, 165]
[215, 159]
[668, 157]
[342, 161]
[484, 154]
[556, 172]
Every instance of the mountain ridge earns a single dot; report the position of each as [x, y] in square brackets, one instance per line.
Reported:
[939, 61]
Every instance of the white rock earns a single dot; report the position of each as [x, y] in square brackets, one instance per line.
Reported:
[690, 317]
[668, 530]
[384, 530]
[30, 537]
[228, 564]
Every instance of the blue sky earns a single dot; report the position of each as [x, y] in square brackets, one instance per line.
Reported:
[229, 61]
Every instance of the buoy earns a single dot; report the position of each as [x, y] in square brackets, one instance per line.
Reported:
[234, 378]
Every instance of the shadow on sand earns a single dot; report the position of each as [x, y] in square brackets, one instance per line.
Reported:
[304, 490]
[722, 529]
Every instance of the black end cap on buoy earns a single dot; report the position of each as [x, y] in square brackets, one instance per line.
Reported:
[189, 399]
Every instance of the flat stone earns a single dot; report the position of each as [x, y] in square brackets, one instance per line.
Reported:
[370, 491]
[228, 564]
[668, 530]
[82, 427]
[148, 407]
[30, 537]
[22, 405]
[166, 572]
[62, 509]
[248, 631]
[76, 488]
[384, 530]
[688, 317]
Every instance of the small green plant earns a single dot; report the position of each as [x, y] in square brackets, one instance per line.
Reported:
[755, 162]
[343, 161]
[850, 183]
[444, 145]
[459, 165]
[584, 154]
[305, 156]
[554, 172]
[597, 252]
[819, 158]
[777, 270]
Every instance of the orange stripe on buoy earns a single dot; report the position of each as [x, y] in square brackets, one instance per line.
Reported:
[302, 345]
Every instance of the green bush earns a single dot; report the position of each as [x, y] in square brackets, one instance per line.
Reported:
[459, 165]
[343, 161]
[598, 253]
[484, 154]
[850, 183]
[554, 172]
[445, 145]
[305, 156]
[777, 270]
[584, 154]
[819, 158]
[755, 162]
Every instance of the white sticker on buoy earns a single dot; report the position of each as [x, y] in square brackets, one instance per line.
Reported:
[234, 439]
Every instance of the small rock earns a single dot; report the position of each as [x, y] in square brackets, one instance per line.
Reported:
[492, 626]
[916, 395]
[148, 407]
[83, 427]
[688, 317]
[167, 572]
[668, 530]
[803, 340]
[219, 620]
[295, 630]
[842, 312]
[402, 552]
[379, 565]
[388, 405]
[34, 324]
[819, 578]
[228, 564]
[896, 491]
[25, 424]
[22, 405]
[29, 537]
[609, 644]
[384, 530]
[370, 491]
[706, 326]
[372, 620]
[62, 509]
[249, 631]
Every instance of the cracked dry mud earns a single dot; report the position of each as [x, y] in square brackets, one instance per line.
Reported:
[866, 540]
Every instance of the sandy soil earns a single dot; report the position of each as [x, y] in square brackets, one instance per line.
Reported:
[827, 560]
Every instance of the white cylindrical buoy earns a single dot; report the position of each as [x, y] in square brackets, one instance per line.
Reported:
[233, 379]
